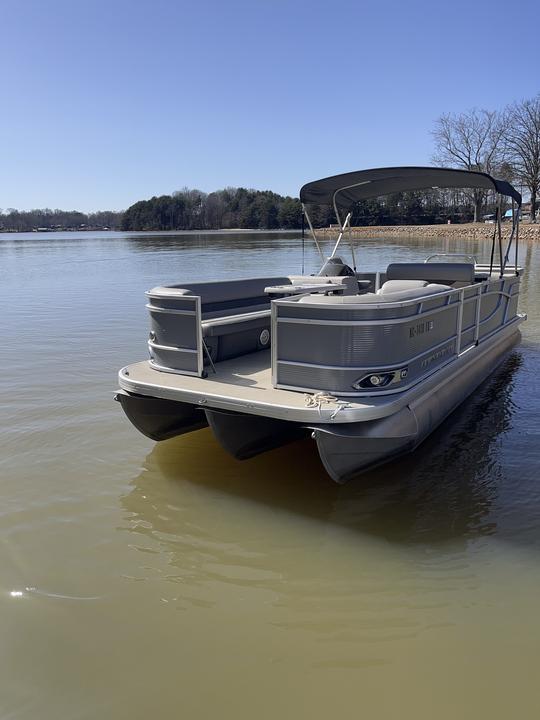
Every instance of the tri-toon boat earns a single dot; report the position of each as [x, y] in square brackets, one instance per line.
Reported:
[367, 363]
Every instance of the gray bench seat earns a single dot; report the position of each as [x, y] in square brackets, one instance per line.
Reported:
[235, 323]
[455, 274]
[232, 316]
[375, 298]
[235, 311]
[392, 286]
[231, 328]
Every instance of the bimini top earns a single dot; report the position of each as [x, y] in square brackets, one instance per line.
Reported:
[348, 189]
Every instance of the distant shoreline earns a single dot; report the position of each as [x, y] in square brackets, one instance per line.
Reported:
[471, 231]
[53, 231]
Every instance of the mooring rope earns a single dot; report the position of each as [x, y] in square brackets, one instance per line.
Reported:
[321, 398]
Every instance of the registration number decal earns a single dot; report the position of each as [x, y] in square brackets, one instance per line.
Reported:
[421, 328]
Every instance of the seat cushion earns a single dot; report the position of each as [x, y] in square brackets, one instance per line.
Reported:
[237, 311]
[222, 291]
[350, 283]
[232, 324]
[372, 298]
[391, 286]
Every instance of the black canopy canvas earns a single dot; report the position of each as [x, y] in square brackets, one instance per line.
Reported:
[348, 189]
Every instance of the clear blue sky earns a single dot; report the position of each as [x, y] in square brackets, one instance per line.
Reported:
[106, 103]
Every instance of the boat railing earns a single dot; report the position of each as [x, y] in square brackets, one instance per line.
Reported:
[195, 326]
[462, 257]
[326, 346]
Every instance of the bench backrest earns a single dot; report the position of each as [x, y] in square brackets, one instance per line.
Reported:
[444, 273]
[226, 291]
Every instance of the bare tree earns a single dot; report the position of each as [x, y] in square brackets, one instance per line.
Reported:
[523, 143]
[473, 140]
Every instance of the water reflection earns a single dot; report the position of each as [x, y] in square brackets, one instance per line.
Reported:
[442, 492]
[348, 572]
[175, 241]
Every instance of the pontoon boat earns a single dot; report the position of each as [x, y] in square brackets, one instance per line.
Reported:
[367, 363]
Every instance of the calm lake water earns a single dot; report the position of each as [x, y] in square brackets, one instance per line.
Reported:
[168, 580]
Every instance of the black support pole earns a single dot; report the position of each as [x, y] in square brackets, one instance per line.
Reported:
[303, 242]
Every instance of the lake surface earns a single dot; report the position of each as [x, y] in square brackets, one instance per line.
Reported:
[167, 580]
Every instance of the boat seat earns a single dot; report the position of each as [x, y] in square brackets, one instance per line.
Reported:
[222, 291]
[235, 311]
[391, 286]
[231, 328]
[215, 327]
[235, 335]
[234, 320]
[351, 283]
[454, 274]
[373, 298]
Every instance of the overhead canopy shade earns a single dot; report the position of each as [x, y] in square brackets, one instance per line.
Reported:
[348, 189]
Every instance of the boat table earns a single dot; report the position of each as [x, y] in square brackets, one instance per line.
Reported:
[304, 288]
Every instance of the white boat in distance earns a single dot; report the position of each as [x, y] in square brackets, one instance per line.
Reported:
[366, 363]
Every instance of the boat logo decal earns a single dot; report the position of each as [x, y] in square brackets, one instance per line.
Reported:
[439, 355]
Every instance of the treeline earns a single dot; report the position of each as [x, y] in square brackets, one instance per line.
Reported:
[224, 209]
[265, 210]
[245, 209]
[45, 219]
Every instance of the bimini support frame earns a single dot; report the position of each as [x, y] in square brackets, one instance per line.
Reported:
[344, 191]
[514, 237]
[312, 231]
[343, 226]
[497, 233]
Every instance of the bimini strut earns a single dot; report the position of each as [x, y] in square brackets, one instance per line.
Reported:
[303, 243]
[347, 223]
[499, 233]
[514, 235]
[306, 214]
[342, 228]
[496, 232]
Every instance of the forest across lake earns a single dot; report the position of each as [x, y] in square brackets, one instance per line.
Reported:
[241, 208]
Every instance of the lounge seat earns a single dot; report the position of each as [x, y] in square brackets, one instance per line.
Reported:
[391, 286]
[230, 329]
[235, 335]
[350, 283]
[373, 298]
[216, 327]
[454, 274]
[229, 297]
[234, 318]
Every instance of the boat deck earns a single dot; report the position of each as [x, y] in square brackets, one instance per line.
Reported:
[244, 384]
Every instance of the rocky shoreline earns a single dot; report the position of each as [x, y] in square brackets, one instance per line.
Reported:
[470, 230]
